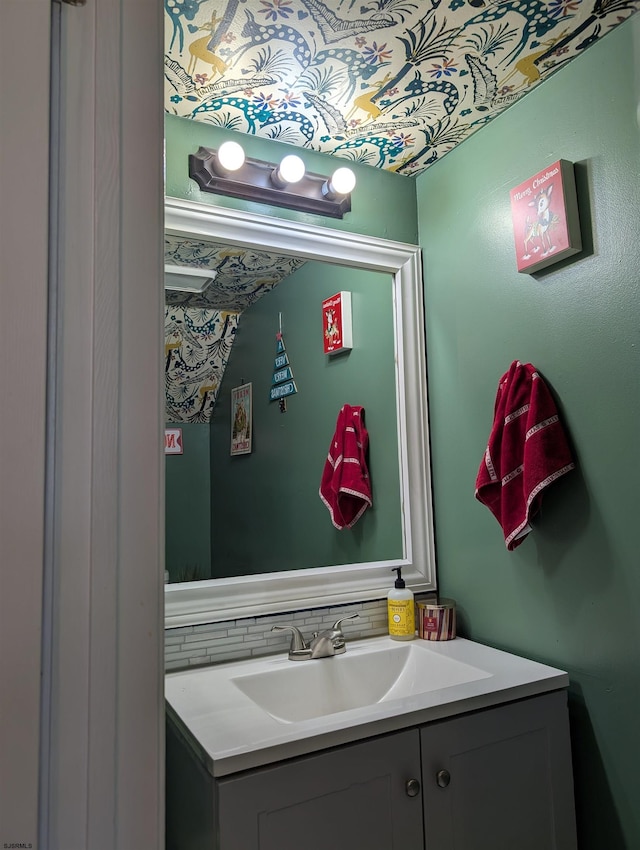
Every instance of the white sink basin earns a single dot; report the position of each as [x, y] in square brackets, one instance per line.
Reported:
[257, 711]
[303, 690]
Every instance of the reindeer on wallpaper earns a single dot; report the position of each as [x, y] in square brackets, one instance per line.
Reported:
[200, 51]
[387, 147]
[418, 87]
[444, 135]
[200, 341]
[262, 34]
[538, 21]
[388, 141]
[528, 67]
[423, 43]
[601, 9]
[364, 102]
[254, 112]
[383, 14]
[176, 9]
[357, 69]
[224, 23]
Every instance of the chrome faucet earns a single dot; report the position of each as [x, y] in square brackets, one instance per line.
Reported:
[322, 644]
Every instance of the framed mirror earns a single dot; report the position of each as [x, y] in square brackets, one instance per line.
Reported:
[275, 591]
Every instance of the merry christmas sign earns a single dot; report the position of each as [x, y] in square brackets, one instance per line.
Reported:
[336, 323]
[544, 211]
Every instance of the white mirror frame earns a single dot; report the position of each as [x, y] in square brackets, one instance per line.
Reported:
[215, 600]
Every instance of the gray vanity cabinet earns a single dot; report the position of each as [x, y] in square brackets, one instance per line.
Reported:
[355, 796]
[493, 779]
[500, 779]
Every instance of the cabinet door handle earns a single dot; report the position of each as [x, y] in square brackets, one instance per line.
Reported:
[412, 787]
[443, 778]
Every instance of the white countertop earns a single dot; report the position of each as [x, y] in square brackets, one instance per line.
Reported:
[230, 733]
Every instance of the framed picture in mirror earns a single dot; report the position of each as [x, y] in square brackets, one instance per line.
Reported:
[241, 420]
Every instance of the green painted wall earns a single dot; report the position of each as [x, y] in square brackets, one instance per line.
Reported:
[267, 514]
[382, 204]
[188, 506]
[570, 595]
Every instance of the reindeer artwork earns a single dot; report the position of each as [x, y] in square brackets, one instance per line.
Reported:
[540, 228]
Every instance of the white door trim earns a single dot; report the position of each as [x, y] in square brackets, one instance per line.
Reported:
[107, 736]
[24, 173]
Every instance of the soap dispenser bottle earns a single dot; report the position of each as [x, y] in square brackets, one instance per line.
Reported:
[400, 610]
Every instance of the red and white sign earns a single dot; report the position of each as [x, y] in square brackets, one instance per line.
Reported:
[173, 441]
[544, 210]
[336, 323]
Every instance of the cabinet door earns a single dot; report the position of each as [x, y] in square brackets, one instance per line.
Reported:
[500, 779]
[355, 796]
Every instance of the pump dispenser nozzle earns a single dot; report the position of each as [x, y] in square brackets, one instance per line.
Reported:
[399, 582]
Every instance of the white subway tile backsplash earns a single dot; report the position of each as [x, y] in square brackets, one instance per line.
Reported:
[195, 653]
[214, 643]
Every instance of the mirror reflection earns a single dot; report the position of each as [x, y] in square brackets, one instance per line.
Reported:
[257, 512]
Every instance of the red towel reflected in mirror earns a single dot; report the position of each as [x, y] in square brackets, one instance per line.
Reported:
[345, 487]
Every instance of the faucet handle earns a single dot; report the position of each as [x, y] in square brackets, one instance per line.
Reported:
[298, 648]
[337, 627]
[337, 635]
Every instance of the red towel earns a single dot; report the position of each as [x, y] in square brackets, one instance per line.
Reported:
[527, 451]
[345, 487]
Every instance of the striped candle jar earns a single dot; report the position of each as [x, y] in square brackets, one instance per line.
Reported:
[437, 619]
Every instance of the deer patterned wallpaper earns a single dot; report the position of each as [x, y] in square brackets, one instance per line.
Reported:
[393, 84]
[200, 329]
[390, 83]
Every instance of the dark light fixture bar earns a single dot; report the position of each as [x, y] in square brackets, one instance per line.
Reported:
[254, 181]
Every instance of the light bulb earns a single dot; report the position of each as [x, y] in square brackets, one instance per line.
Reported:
[291, 169]
[231, 156]
[343, 181]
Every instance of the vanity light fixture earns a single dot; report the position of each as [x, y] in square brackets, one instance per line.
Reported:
[187, 278]
[286, 184]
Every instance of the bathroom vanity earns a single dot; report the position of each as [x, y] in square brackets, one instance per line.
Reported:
[449, 746]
